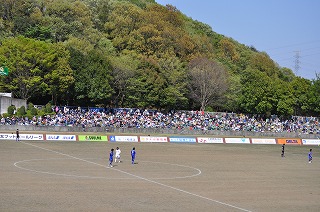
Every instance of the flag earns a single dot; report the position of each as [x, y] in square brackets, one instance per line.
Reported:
[4, 70]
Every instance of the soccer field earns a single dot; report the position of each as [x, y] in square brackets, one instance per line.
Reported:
[74, 176]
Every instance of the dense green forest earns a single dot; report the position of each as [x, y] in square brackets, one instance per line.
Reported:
[122, 53]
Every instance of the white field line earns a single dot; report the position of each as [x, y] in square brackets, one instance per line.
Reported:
[142, 178]
[19, 165]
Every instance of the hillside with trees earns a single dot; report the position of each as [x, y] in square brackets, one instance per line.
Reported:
[139, 54]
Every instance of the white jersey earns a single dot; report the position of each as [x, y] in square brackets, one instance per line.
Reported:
[118, 152]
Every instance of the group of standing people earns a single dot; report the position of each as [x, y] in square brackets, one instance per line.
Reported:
[309, 154]
[133, 153]
[118, 156]
[176, 120]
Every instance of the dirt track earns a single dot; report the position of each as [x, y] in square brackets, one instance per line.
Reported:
[73, 176]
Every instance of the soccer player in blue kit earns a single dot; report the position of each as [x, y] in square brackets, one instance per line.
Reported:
[111, 158]
[310, 156]
[133, 154]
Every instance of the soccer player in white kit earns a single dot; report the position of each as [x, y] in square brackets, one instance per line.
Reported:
[118, 152]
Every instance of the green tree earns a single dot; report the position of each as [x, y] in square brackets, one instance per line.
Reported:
[286, 74]
[66, 18]
[174, 93]
[124, 68]
[261, 94]
[301, 89]
[263, 63]
[60, 78]
[36, 68]
[11, 110]
[233, 94]
[229, 49]
[124, 19]
[21, 111]
[314, 97]
[283, 98]
[101, 11]
[144, 90]
[256, 93]
[157, 84]
[92, 77]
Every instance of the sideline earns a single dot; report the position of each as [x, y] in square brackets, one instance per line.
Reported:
[139, 177]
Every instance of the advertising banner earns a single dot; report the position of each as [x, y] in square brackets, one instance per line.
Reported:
[114, 138]
[237, 140]
[182, 139]
[153, 139]
[93, 138]
[203, 140]
[294, 141]
[53, 137]
[263, 141]
[311, 142]
[22, 137]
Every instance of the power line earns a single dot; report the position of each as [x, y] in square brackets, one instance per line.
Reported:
[292, 45]
[304, 56]
[297, 62]
[303, 50]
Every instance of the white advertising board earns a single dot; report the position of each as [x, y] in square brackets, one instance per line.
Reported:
[237, 140]
[123, 138]
[310, 141]
[22, 137]
[263, 141]
[53, 137]
[153, 139]
[203, 140]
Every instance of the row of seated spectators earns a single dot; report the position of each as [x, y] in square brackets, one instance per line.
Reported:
[183, 120]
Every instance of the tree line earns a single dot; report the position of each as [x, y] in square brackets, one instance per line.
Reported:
[118, 53]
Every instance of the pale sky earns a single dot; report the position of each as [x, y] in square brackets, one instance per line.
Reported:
[288, 30]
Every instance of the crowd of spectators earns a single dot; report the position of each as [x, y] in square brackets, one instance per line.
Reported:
[181, 120]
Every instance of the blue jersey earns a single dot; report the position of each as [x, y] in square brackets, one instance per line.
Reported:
[133, 153]
[111, 156]
[310, 155]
